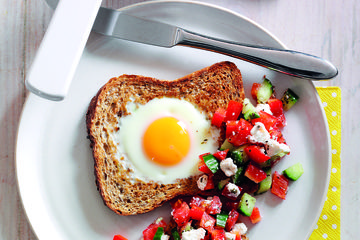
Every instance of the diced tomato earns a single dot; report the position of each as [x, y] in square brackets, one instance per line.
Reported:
[254, 173]
[210, 183]
[196, 212]
[149, 232]
[233, 110]
[218, 117]
[180, 212]
[281, 121]
[230, 205]
[254, 90]
[268, 120]
[255, 216]
[232, 128]
[255, 154]
[238, 135]
[215, 206]
[207, 222]
[202, 166]
[277, 135]
[233, 217]
[279, 185]
[276, 106]
[119, 237]
[196, 201]
[221, 155]
[217, 234]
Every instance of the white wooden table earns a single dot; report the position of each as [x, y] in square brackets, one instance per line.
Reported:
[327, 28]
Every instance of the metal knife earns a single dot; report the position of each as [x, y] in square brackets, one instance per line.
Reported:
[122, 25]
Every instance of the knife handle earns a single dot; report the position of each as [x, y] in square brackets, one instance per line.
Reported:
[61, 48]
[290, 62]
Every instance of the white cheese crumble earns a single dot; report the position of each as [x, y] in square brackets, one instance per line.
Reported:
[194, 234]
[233, 189]
[263, 107]
[165, 237]
[239, 228]
[228, 167]
[230, 236]
[202, 182]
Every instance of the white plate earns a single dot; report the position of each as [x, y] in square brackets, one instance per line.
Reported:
[55, 165]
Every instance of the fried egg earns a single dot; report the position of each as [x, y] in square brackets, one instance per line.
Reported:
[161, 140]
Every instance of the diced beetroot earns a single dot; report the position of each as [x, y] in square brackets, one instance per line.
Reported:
[180, 212]
[233, 110]
[207, 222]
[256, 155]
[279, 185]
[218, 117]
[233, 217]
[215, 206]
[149, 232]
[255, 216]
[255, 174]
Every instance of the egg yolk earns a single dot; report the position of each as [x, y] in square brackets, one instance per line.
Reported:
[166, 141]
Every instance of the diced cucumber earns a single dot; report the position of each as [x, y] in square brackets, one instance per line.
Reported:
[239, 175]
[239, 156]
[265, 184]
[294, 172]
[289, 99]
[221, 219]
[175, 234]
[222, 183]
[249, 111]
[159, 233]
[247, 204]
[211, 163]
[265, 91]
[227, 145]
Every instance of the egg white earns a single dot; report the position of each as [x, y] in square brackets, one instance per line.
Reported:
[132, 127]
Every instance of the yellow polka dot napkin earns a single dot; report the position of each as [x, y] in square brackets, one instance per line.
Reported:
[328, 225]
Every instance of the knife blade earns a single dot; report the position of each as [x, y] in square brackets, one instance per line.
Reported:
[121, 25]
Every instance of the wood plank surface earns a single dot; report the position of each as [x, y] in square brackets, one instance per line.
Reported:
[328, 28]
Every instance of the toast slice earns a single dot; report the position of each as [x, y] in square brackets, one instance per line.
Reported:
[208, 89]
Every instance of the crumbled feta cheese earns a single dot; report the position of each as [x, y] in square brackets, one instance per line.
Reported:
[230, 236]
[202, 182]
[194, 234]
[228, 167]
[259, 134]
[275, 147]
[165, 237]
[239, 228]
[233, 190]
[263, 107]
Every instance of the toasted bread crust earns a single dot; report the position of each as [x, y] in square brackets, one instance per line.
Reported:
[208, 89]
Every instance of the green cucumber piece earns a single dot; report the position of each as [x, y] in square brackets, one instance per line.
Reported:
[294, 172]
[247, 204]
[249, 111]
[222, 183]
[211, 163]
[289, 99]
[159, 233]
[221, 219]
[239, 175]
[175, 234]
[265, 91]
[239, 156]
[265, 184]
[227, 145]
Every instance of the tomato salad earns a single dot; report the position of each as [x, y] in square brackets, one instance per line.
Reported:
[240, 169]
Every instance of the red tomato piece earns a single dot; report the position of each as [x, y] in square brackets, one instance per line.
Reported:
[232, 128]
[210, 183]
[233, 110]
[281, 121]
[268, 120]
[254, 90]
[238, 135]
[218, 117]
[255, 174]
[229, 205]
[196, 201]
[221, 155]
[233, 217]
[276, 106]
[180, 212]
[255, 216]
[119, 237]
[207, 222]
[149, 232]
[215, 206]
[279, 185]
[277, 135]
[196, 212]
[202, 166]
[217, 234]
[255, 154]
